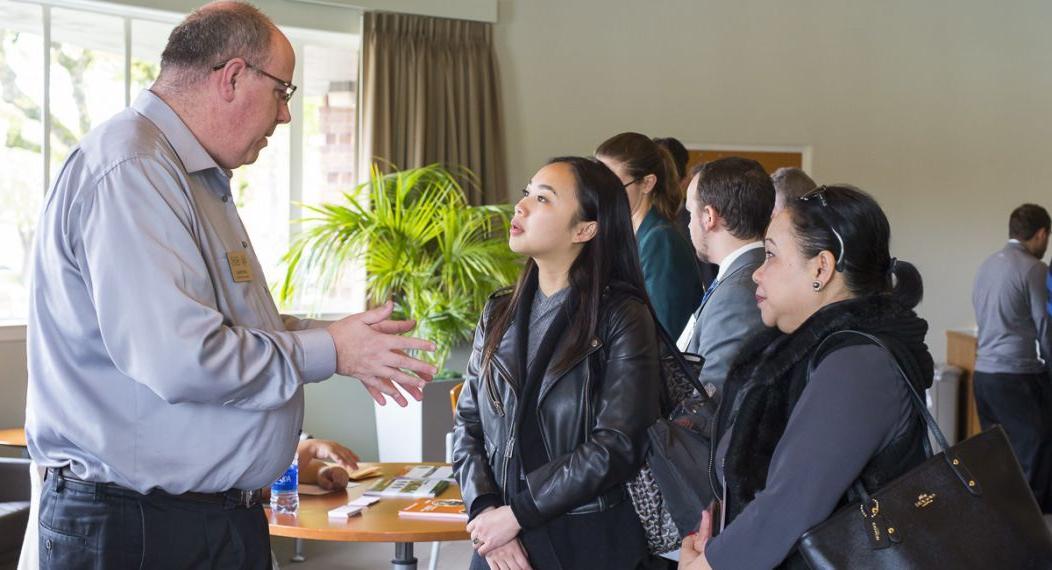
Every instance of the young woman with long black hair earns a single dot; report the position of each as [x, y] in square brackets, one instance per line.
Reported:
[562, 383]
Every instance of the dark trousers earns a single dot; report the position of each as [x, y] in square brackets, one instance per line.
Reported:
[1022, 404]
[99, 526]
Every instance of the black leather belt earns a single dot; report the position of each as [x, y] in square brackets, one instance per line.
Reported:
[234, 498]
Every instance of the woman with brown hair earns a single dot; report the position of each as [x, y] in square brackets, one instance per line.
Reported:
[670, 268]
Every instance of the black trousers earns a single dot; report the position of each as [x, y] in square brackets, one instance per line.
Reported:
[1022, 404]
[99, 526]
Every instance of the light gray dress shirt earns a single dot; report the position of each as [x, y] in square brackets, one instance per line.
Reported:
[1009, 298]
[155, 359]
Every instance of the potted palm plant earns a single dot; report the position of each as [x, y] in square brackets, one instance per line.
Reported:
[421, 244]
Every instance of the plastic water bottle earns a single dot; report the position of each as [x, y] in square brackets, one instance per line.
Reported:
[285, 492]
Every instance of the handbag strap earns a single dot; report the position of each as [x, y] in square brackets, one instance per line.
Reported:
[918, 404]
[677, 356]
[670, 344]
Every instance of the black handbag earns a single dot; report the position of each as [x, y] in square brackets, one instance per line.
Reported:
[968, 506]
[670, 491]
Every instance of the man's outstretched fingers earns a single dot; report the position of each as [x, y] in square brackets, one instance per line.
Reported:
[410, 343]
[377, 396]
[400, 360]
[393, 327]
[377, 314]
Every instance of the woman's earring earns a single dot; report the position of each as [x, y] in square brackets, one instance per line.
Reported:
[816, 286]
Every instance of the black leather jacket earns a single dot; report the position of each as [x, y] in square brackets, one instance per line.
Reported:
[593, 417]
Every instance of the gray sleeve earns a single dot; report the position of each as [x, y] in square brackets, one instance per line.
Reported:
[294, 323]
[855, 402]
[727, 320]
[1037, 297]
[156, 306]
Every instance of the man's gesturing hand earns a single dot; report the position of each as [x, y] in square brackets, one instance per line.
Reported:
[369, 348]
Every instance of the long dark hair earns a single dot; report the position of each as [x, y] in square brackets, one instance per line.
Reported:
[862, 250]
[642, 156]
[603, 260]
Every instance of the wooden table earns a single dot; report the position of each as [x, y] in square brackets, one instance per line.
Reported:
[14, 437]
[378, 523]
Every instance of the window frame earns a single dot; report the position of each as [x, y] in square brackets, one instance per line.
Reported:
[15, 329]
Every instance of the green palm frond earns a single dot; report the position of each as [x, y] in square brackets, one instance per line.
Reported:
[421, 243]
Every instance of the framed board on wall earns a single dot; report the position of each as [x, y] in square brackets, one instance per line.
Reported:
[771, 157]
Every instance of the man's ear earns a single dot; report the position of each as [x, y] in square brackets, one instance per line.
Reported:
[585, 232]
[229, 76]
[710, 218]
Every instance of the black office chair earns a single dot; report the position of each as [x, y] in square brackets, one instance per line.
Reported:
[14, 508]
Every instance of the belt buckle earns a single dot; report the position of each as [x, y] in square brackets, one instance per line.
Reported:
[248, 499]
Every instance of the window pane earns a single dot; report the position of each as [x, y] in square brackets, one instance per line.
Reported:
[148, 40]
[261, 191]
[22, 132]
[87, 76]
[329, 136]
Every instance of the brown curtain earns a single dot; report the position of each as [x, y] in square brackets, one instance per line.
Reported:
[430, 93]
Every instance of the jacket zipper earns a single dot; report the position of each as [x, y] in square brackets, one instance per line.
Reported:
[494, 395]
[504, 469]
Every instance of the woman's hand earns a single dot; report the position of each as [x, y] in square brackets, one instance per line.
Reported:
[492, 529]
[692, 551]
[326, 450]
[511, 556]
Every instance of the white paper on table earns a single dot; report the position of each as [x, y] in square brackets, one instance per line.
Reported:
[430, 472]
[345, 511]
[364, 501]
[309, 489]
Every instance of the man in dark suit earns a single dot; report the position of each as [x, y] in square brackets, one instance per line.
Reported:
[730, 202]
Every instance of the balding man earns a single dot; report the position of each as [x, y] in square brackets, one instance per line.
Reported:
[164, 388]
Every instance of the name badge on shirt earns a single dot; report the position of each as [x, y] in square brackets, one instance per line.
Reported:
[240, 268]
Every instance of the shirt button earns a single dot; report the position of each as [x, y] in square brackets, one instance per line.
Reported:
[226, 198]
[47, 544]
[244, 244]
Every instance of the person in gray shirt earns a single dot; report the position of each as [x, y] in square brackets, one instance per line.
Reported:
[164, 388]
[1012, 384]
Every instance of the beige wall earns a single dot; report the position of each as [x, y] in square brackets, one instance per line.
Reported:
[942, 109]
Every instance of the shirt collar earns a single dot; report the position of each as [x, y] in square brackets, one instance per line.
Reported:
[190, 151]
[725, 265]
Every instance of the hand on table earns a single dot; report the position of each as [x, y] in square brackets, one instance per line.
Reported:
[328, 451]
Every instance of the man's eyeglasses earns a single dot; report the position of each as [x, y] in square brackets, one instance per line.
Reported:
[289, 88]
[627, 184]
[819, 194]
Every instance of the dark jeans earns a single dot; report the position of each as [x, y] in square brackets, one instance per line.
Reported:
[1022, 404]
[88, 525]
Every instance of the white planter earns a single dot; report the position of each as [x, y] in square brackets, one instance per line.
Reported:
[417, 432]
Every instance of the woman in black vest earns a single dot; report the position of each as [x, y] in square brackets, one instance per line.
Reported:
[791, 445]
[562, 383]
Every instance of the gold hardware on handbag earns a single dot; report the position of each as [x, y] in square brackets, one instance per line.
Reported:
[924, 499]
